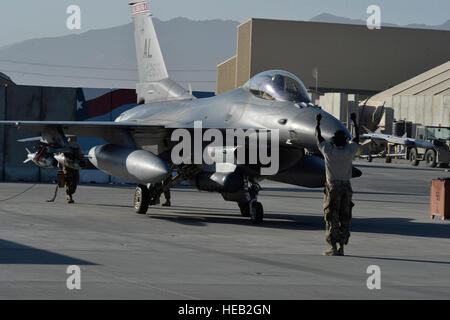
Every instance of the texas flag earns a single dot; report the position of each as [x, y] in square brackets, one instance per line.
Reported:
[103, 104]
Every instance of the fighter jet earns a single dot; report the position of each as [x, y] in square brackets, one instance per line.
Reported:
[380, 138]
[434, 153]
[274, 105]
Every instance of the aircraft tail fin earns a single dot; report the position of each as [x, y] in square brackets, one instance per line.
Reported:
[370, 131]
[154, 83]
[367, 129]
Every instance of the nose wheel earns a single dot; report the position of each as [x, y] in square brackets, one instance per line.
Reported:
[245, 209]
[256, 212]
[252, 209]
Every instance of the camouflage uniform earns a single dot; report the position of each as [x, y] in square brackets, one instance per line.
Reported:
[338, 194]
[71, 178]
[166, 189]
[338, 211]
[68, 177]
[157, 189]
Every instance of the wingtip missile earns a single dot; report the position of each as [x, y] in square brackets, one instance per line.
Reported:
[42, 160]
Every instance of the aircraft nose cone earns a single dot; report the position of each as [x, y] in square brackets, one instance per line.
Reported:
[305, 126]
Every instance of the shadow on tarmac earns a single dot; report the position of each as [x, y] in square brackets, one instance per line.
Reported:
[398, 167]
[14, 253]
[320, 191]
[400, 259]
[394, 226]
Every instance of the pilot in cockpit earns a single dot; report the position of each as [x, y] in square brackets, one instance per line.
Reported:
[275, 84]
[278, 85]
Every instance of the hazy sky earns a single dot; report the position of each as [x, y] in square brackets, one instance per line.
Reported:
[27, 19]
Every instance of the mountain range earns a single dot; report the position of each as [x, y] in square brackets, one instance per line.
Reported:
[107, 59]
[326, 17]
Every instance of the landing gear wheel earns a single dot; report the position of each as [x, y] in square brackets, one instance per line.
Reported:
[413, 157]
[369, 158]
[141, 199]
[245, 209]
[257, 215]
[388, 160]
[430, 157]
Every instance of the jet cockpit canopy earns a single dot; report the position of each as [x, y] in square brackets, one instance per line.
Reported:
[278, 85]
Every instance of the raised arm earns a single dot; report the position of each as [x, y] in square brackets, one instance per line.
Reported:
[319, 137]
[356, 138]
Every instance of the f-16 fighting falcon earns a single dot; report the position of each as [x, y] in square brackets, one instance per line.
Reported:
[434, 153]
[143, 144]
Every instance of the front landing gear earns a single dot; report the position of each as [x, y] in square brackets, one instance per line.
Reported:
[245, 209]
[256, 212]
[252, 208]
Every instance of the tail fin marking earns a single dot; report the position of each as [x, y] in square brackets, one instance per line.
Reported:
[154, 83]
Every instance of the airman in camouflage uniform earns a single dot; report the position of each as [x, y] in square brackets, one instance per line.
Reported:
[338, 212]
[68, 177]
[338, 203]
[71, 178]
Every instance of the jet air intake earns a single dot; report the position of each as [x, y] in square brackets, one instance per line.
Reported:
[222, 182]
[128, 163]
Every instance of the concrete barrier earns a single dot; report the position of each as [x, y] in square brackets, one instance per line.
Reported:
[446, 109]
[93, 105]
[53, 104]
[2, 130]
[342, 105]
[23, 103]
[57, 104]
[426, 110]
[335, 104]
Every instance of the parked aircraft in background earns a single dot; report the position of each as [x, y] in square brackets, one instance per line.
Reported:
[414, 150]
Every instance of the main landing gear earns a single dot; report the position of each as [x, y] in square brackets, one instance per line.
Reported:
[247, 199]
[144, 197]
[141, 199]
[252, 208]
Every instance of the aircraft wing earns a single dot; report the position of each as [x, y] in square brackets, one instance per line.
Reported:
[95, 128]
[38, 126]
[370, 139]
[113, 132]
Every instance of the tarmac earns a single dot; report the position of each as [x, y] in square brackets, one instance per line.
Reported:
[201, 248]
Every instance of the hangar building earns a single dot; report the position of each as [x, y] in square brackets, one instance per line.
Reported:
[424, 99]
[348, 58]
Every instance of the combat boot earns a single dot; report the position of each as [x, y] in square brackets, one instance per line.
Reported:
[340, 251]
[166, 204]
[332, 251]
[70, 199]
